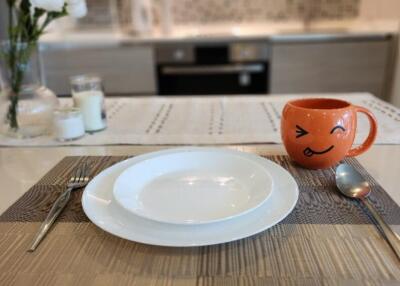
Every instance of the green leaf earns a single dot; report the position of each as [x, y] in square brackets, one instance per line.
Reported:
[25, 6]
[39, 12]
[60, 14]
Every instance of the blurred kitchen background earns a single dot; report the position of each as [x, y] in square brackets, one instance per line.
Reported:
[185, 47]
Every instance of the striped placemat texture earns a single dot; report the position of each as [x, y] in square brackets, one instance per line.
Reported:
[326, 240]
[319, 201]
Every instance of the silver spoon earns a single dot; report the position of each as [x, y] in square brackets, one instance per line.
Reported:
[352, 185]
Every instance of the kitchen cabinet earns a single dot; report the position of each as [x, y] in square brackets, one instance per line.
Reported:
[305, 64]
[332, 66]
[124, 69]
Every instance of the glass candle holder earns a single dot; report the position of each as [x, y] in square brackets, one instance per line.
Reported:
[68, 124]
[87, 93]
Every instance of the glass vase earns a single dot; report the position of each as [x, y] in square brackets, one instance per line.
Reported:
[26, 105]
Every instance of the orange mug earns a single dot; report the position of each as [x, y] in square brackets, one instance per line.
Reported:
[319, 132]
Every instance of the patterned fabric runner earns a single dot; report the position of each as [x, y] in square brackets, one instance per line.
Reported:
[212, 120]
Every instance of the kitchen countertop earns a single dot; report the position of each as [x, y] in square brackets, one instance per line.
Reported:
[274, 31]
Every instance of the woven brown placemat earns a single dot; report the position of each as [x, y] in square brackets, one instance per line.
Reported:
[319, 201]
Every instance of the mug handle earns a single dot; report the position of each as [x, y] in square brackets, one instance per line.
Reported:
[372, 132]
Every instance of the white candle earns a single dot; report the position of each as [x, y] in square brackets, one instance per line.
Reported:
[90, 103]
[68, 124]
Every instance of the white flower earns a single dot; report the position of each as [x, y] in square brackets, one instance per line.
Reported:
[48, 5]
[76, 8]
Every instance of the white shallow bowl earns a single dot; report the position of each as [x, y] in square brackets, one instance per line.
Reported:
[193, 187]
[100, 207]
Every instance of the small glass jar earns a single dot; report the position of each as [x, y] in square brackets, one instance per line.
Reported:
[87, 93]
[68, 124]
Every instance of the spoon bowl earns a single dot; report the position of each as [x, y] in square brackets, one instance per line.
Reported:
[351, 183]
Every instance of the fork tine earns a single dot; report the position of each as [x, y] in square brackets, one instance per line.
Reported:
[77, 174]
[90, 165]
[84, 172]
[80, 174]
[73, 175]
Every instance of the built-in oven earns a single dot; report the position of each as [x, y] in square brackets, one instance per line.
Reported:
[213, 68]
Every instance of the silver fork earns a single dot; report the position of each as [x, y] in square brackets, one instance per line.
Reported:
[78, 180]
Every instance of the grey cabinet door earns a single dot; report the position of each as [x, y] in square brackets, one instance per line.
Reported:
[359, 66]
[125, 70]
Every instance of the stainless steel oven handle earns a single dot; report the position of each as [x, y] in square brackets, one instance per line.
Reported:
[217, 69]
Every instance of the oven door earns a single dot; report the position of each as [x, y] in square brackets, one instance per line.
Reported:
[213, 79]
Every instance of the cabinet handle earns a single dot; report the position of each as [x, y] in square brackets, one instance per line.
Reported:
[218, 69]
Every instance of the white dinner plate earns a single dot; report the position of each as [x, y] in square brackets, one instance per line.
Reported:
[100, 207]
[193, 186]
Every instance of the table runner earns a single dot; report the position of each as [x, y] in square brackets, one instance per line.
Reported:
[326, 240]
[212, 120]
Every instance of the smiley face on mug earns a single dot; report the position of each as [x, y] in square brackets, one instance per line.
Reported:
[309, 151]
[319, 132]
[319, 144]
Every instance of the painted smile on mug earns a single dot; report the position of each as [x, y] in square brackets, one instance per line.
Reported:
[309, 152]
[300, 132]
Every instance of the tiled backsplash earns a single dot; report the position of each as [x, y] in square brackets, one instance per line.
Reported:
[194, 11]
[101, 13]
[212, 11]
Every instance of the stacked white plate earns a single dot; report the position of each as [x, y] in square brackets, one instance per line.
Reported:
[190, 197]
